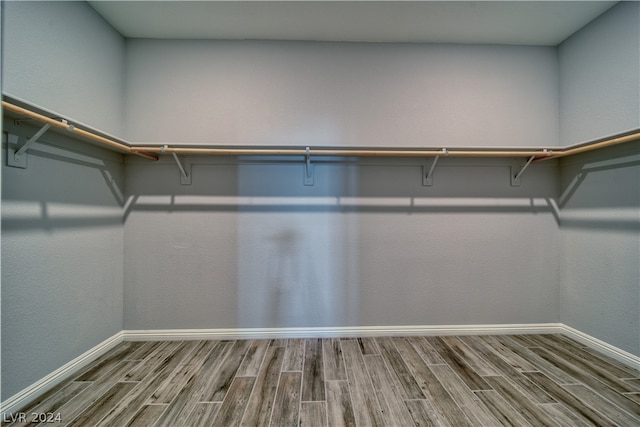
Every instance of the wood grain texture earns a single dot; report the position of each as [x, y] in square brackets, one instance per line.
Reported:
[313, 414]
[287, 403]
[313, 379]
[339, 406]
[260, 405]
[521, 380]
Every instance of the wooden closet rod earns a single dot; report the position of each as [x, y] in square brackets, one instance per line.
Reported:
[339, 152]
[151, 151]
[72, 129]
[608, 142]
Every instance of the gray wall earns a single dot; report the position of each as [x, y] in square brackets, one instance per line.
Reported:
[248, 245]
[64, 57]
[62, 241]
[62, 244]
[599, 194]
[354, 94]
[600, 76]
[600, 245]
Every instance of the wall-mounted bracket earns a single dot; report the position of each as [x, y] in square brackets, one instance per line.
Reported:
[18, 158]
[515, 179]
[185, 177]
[427, 177]
[308, 169]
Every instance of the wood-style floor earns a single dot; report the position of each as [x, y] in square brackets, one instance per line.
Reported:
[537, 380]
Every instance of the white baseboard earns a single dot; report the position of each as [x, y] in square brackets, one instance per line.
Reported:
[342, 331]
[37, 389]
[603, 347]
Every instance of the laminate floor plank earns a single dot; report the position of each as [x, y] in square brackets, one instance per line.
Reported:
[365, 404]
[577, 406]
[468, 402]
[139, 396]
[260, 406]
[313, 369]
[81, 401]
[607, 364]
[394, 411]
[500, 346]
[294, 355]
[286, 408]
[471, 358]
[235, 401]
[253, 359]
[423, 413]
[596, 366]
[333, 359]
[203, 414]
[425, 350]
[635, 397]
[595, 401]
[634, 382]
[194, 355]
[552, 371]
[146, 416]
[368, 346]
[600, 383]
[154, 359]
[399, 369]
[562, 416]
[525, 340]
[526, 387]
[500, 408]
[440, 400]
[313, 414]
[535, 380]
[339, 406]
[98, 409]
[106, 362]
[529, 410]
[278, 342]
[143, 350]
[182, 405]
[459, 364]
[218, 385]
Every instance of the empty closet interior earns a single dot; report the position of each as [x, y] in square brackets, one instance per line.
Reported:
[180, 187]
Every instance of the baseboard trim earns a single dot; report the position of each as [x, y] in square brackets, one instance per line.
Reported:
[37, 389]
[336, 332]
[602, 347]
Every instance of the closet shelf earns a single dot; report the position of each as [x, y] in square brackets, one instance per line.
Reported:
[151, 151]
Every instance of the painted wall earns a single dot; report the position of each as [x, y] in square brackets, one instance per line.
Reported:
[62, 238]
[600, 191]
[600, 76]
[600, 229]
[340, 94]
[64, 57]
[248, 245]
[62, 245]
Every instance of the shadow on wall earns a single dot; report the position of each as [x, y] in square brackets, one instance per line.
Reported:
[594, 184]
[295, 268]
[61, 187]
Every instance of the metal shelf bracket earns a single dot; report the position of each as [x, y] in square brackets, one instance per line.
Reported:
[308, 169]
[185, 177]
[515, 179]
[427, 178]
[18, 158]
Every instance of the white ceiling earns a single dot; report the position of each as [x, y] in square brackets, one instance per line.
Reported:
[545, 23]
